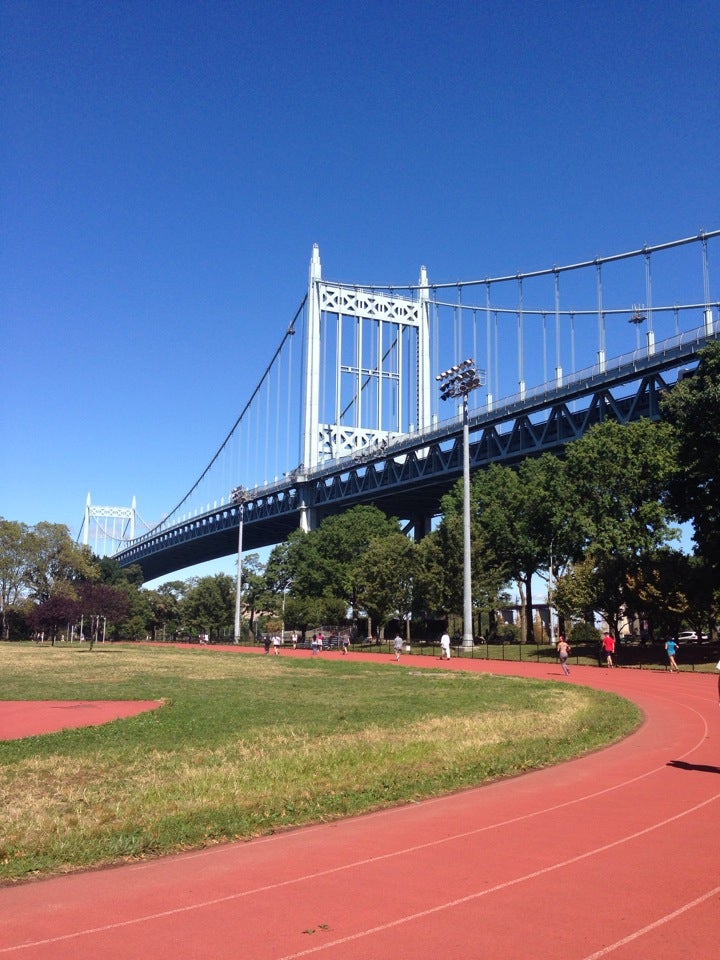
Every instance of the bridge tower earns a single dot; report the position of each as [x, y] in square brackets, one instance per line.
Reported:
[111, 527]
[367, 368]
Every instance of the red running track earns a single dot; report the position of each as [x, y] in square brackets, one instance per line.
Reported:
[613, 855]
[28, 718]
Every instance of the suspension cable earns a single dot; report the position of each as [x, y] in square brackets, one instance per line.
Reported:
[701, 237]
[288, 333]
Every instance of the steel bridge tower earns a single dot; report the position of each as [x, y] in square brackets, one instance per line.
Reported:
[109, 535]
[367, 368]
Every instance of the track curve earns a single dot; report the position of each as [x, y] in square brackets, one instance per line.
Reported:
[612, 855]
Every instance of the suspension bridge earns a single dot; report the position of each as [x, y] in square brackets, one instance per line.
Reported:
[349, 411]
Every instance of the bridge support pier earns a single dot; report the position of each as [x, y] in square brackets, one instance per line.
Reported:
[308, 518]
[422, 526]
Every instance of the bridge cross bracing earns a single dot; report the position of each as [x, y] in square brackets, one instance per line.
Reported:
[349, 410]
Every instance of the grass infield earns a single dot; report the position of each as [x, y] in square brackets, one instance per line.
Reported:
[247, 745]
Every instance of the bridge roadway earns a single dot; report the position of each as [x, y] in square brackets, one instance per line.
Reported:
[408, 478]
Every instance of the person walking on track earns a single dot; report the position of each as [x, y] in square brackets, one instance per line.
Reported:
[608, 648]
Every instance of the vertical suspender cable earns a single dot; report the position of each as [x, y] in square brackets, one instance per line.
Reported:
[488, 344]
[278, 406]
[338, 381]
[648, 290]
[304, 399]
[455, 354]
[558, 357]
[358, 365]
[475, 350]
[322, 414]
[707, 312]
[521, 357]
[459, 355]
[650, 335]
[706, 273]
[601, 320]
[256, 433]
[267, 424]
[497, 381]
[435, 341]
[379, 363]
[288, 431]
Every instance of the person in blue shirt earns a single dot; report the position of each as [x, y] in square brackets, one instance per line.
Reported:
[671, 648]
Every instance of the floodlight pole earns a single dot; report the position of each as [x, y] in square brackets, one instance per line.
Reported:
[456, 382]
[238, 496]
[467, 553]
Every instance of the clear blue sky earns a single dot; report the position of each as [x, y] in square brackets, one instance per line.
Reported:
[165, 168]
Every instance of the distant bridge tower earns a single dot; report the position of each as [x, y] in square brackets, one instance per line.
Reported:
[367, 368]
[111, 527]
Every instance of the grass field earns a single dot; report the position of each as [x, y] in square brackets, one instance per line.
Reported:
[246, 745]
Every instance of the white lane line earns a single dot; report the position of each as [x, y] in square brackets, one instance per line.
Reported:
[653, 926]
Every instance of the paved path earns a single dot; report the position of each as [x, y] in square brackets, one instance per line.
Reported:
[614, 855]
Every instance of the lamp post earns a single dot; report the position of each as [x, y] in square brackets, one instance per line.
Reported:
[456, 382]
[238, 497]
[549, 595]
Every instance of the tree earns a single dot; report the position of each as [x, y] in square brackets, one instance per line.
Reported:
[385, 578]
[323, 563]
[100, 601]
[110, 571]
[619, 475]
[254, 590]
[588, 585]
[440, 584]
[276, 580]
[436, 590]
[666, 590]
[209, 605]
[53, 557]
[278, 571]
[307, 613]
[13, 569]
[692, 407]
[522, 517]
[163, 607]
[53, 613]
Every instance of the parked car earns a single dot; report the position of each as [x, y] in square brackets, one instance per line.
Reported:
[690, 636]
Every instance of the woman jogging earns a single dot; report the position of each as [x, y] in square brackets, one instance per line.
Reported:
[563, 650]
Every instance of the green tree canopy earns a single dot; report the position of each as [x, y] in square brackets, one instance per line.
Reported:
[619, 475]
[522, 517]
[692, 407]
[324, 562]
[54, 559]
[385, 577]
[209, 605]
[14, 560]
